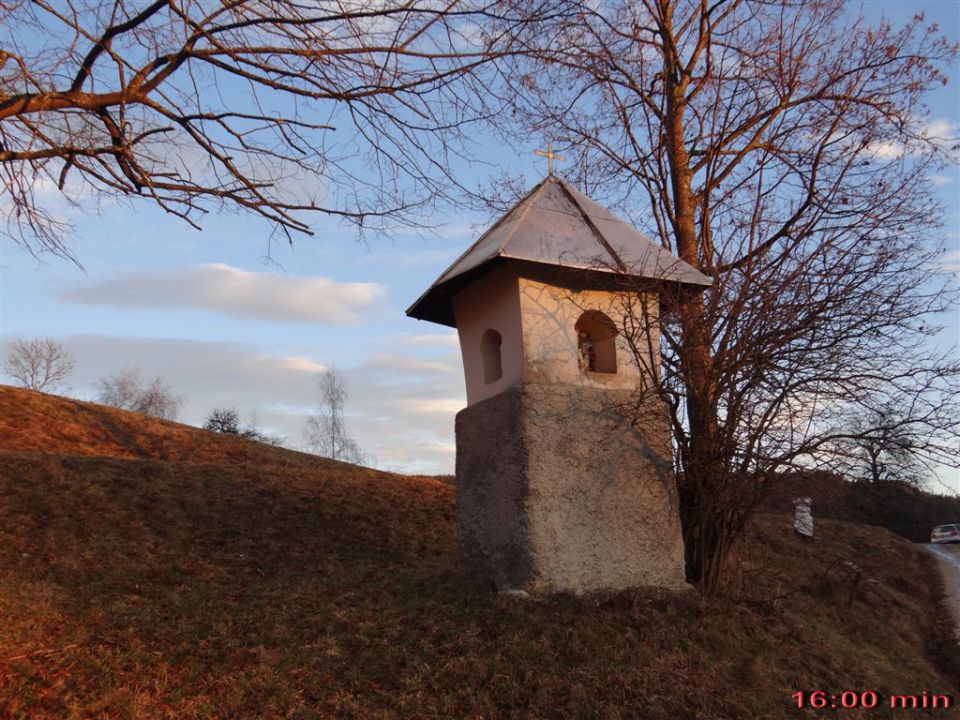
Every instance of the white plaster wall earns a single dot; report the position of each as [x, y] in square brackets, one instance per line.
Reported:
[602, 509]
[548, 315]
[540, 509]
[493, 301]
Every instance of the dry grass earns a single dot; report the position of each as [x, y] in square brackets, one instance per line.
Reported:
[36, 422]
[150, 570]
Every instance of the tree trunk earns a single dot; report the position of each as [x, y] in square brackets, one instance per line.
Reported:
[701, 460]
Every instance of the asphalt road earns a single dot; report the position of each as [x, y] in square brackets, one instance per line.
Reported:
[948, 556]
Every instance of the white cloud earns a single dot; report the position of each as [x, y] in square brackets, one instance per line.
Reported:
[940, 133]
[951, 262]
[886, 150]
[302, 364]
[441, 406]
[206, 373]
[941, 179]
[445, 340]
[230, 290]
[447, 448]
[426, 457]
[940, 129]
[392, 363]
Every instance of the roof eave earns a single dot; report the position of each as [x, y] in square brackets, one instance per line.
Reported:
[435, 304]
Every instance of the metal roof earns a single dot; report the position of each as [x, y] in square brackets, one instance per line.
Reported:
[557, 225]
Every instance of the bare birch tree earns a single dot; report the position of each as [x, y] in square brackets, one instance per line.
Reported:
[127, 389]
[326, 431]
[784, 149]
[276, 108]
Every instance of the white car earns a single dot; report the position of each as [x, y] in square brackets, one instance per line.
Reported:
[945, 534]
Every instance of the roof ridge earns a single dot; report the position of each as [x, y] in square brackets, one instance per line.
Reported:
[490, 229]
[596, 231]
[526, 211]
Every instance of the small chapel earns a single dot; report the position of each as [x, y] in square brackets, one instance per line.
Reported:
[557, 489]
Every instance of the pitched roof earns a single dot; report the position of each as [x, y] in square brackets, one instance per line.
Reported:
[557, 225]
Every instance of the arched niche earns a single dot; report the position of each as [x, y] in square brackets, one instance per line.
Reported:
[596, 343]
[490, 351]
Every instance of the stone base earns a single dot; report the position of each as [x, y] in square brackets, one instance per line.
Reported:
[556, 492]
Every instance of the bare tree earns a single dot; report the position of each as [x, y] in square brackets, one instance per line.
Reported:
[884, 454]
[41, 364]
[223, 420]
[128, 390]
[325, 432]
[783, 149]
[891, 442]
[277, 108]
[227, 420]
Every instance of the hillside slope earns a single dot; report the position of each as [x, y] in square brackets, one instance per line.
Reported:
[150, 570]
[37, 422]
[901, 508]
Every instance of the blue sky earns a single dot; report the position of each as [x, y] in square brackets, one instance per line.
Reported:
[205, 311]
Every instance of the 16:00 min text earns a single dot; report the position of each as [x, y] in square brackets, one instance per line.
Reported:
[868, 699]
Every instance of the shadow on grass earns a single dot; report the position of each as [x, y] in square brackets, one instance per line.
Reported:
[153, 589]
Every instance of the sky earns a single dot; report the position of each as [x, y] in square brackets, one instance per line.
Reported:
[225, 327]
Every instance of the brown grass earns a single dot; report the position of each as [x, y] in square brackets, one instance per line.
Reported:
[897, 506]
[36, 422]
[150, 570]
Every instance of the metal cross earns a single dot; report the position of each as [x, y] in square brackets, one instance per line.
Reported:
[550, 155]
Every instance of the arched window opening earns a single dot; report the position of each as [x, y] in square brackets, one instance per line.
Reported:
[596, 343]
[490, 351]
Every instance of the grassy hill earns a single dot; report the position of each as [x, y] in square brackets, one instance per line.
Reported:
[901, 508]
[152, 570]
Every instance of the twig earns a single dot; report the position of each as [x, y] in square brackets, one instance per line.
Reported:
[49, 651]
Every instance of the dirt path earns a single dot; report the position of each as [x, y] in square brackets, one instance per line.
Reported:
[948, 559]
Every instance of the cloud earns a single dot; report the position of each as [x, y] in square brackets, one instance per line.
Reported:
[441, 406]
[301, 364]
[401, 364]
[232, 291]
[886, 150]
[940, 129]
[207, 373]
[950, 263]
[445, 340]
[940, 133]
[403, 409]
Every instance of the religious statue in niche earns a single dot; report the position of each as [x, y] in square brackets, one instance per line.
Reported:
[588, 354]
